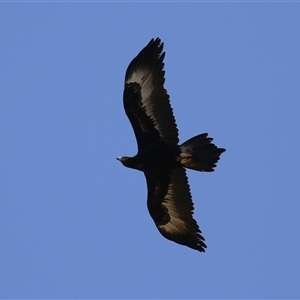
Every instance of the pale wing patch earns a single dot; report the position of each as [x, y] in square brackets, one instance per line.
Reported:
[179, 205]
[144, 78]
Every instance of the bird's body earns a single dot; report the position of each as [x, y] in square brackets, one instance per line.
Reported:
[159, 156]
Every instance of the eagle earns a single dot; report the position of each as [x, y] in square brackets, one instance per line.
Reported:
[160, 156]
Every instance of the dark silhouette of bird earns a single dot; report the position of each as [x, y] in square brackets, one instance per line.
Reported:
[163, 161]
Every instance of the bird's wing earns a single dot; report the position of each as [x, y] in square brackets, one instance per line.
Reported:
[146, 102]
[171, 207]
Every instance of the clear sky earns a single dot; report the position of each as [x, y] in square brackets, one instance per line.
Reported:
[74, 221]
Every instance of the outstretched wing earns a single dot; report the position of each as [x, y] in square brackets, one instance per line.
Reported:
[171, 207]
[146, 102]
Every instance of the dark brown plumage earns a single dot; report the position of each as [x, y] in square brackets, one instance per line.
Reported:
[163, 161]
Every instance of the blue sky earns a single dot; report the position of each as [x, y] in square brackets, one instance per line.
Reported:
[74, 221]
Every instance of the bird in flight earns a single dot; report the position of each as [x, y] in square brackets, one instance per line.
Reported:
[160, 156]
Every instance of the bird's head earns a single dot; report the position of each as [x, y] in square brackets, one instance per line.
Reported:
[124, 160]
[130, 162]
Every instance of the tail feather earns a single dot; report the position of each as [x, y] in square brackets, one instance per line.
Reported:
[200, 154]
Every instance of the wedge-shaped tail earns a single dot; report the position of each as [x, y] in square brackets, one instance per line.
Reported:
[200, 154]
